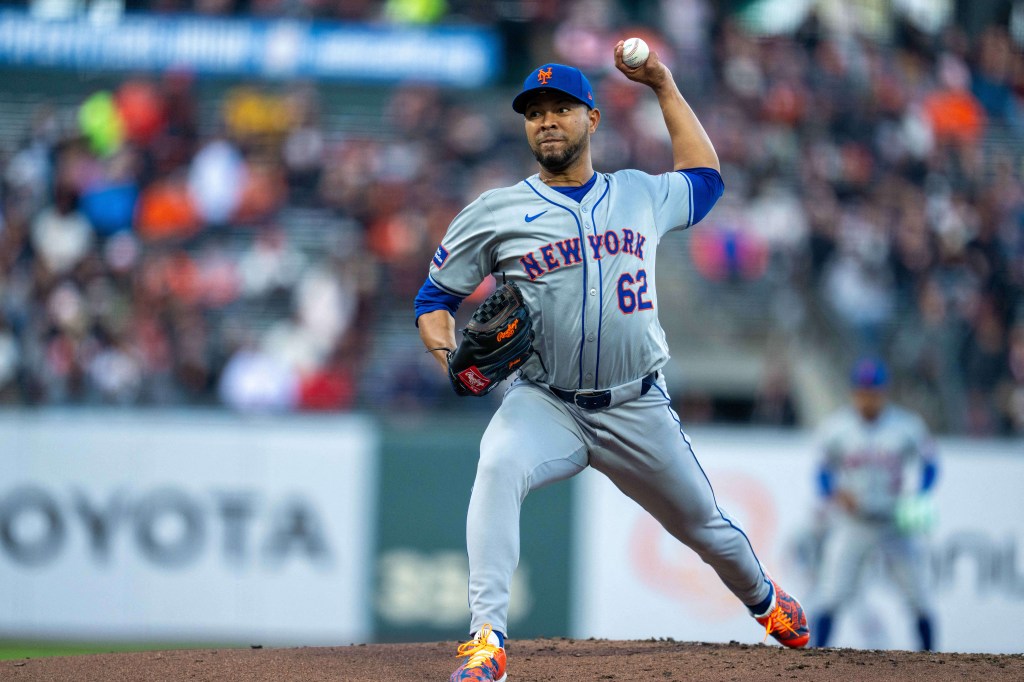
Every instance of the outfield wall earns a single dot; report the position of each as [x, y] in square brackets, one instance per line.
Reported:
[209, 527]
[641, 583]
[185, 528]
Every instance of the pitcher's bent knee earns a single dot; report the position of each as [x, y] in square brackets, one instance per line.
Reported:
[498, 471]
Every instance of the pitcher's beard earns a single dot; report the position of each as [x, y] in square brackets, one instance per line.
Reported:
[557, 162]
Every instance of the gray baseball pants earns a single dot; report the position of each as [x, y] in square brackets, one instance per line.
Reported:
[639, 445]
[848, 546]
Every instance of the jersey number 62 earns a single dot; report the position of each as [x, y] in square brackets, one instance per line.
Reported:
[629, 301]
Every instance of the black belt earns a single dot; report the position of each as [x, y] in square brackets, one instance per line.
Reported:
[597, 400]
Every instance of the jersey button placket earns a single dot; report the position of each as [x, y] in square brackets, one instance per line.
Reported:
[589, 377]
[593, 305]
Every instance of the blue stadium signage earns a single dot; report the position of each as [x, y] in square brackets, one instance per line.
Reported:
[458, 56]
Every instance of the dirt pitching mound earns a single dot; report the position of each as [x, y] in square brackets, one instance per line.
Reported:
[564, 660]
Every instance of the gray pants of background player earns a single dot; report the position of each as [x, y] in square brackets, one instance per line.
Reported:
[535, 439]
[848, 546]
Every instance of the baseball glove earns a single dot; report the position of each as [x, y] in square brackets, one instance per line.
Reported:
[496, 341]
[915, 514]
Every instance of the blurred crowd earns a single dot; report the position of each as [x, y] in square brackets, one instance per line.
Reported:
[261, 259]
[138, 258]
[884, 181]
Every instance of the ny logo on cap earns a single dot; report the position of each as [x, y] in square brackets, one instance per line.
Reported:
[544, 76]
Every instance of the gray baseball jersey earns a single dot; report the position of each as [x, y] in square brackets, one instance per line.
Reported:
[877, 462]
[587, 270]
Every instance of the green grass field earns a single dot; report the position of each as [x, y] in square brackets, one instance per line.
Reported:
[11, 650]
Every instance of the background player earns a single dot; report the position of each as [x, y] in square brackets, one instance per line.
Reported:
[581, 245]
[878, 459]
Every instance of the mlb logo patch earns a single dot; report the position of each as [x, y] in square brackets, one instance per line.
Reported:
[440, 256]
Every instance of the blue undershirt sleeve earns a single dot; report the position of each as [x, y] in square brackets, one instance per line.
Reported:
[929, 472]
[708, 188]
[826, 485]
[431, 297]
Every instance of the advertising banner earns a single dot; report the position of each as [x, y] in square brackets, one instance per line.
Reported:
[185, 528]
[636, 581]
[459, 56]
[422, 572]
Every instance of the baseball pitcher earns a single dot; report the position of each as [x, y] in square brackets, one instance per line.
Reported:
[576, 319]
[878, 467]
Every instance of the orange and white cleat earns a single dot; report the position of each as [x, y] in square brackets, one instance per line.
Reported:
[486, 660]
[785, 620]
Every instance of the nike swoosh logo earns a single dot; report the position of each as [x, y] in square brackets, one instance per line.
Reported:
[530, 218]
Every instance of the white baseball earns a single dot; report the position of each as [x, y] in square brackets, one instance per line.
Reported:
[634, 52]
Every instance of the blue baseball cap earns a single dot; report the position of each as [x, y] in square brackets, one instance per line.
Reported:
[869, 373]
[557, 77]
